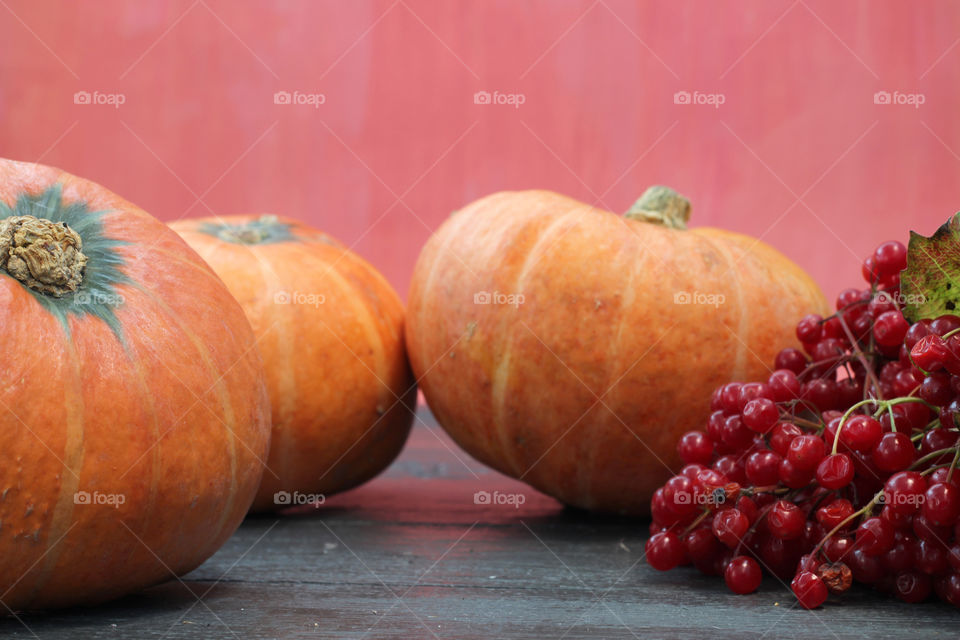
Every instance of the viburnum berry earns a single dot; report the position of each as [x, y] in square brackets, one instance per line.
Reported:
[890, 258]
[743, 575]
[835, 471]
[890, 328]
[874, 536]
[729, 526]
[930, 353]
[833, 514]
[904, 491]
[785, 520]
[809, 589]
[839, 466]
[941, 504]
[760, 414]
[664, 550]
[861, 433]
[894, 452]
[806, 451]
[695, 447]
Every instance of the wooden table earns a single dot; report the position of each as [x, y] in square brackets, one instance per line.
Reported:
[412, 555]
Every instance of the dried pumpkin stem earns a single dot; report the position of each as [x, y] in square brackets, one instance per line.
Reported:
[663, 206]
[44, 255]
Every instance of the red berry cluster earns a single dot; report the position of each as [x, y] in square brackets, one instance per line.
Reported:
[839, 468]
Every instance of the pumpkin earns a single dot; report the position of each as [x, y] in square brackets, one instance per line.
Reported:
[570, 347]
[330, 332]
[134, 418]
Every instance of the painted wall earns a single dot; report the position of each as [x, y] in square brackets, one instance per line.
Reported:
[798, 153]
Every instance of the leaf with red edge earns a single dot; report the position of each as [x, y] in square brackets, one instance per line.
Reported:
[930, 285]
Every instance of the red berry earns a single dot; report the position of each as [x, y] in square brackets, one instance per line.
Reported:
[791, 359]
[835, 471]
[665, 551]
[751, 391]
[808, 329]
[890, 258]
[785, 520]
[763, 468]
[890, 328]
[784, 385]
[729, 526]
[760, 414]
[930, 353]
[912, 586]
[904, 491]
[809, 590]
[869, 271]
[782, 435]
[941, 503]
[806, 451]
[743, 575]
[831, 515]
[894, 452]
[874, 536]
[861, 433]
[695, 447]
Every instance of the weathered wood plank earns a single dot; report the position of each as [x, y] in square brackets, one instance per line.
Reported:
[411, 555]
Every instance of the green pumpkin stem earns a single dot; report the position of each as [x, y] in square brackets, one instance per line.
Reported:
[663, 206]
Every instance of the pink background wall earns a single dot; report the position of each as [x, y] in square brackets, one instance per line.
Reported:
[798, 153]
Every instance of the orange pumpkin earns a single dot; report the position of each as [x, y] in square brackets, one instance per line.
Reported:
[570, 347]
[134, 417]
[330, 331]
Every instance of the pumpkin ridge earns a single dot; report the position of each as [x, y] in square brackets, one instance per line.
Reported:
[502, 370]
[70, 482]
[615, 375]
[226, 402]
[288, 382]
[743, 321]
[154, 451]
[380, 371]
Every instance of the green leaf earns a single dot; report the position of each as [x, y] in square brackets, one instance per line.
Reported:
[930, 285]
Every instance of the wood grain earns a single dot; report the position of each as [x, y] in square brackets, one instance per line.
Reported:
[411, 556]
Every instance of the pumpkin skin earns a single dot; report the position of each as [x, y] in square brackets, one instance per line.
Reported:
[133, 412]
[342, 392]
[583, 387]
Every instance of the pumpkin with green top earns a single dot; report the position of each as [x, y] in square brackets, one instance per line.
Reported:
[134, 419]
[330, 329]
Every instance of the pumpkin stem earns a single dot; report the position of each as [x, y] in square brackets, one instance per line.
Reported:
[253, 233]
[45, 256]
[661, 205]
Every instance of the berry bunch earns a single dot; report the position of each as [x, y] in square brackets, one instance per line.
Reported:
[841, 467]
